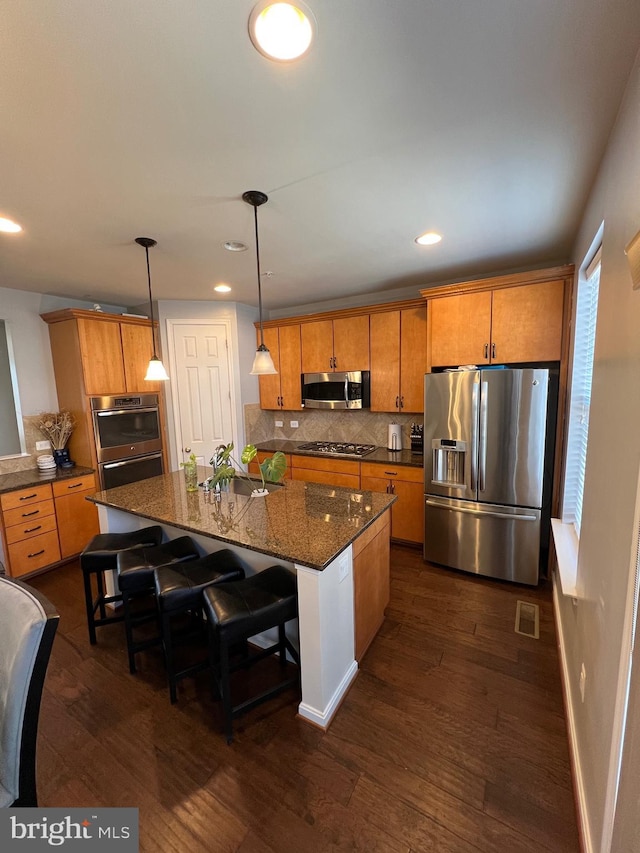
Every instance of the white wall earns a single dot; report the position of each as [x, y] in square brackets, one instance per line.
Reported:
[30, 338]
[594, 629]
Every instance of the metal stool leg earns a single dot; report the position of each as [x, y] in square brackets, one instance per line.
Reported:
[88, 600]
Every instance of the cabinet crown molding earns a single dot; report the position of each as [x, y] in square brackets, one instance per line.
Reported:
[85, 314]
[501, 281]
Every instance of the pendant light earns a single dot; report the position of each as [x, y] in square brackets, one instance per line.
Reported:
[155, 370]
[262, 363]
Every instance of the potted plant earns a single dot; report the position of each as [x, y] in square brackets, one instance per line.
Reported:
[225, 467]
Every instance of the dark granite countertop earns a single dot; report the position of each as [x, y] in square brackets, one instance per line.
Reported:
[304, 523]
[380, 454]
[34, 477]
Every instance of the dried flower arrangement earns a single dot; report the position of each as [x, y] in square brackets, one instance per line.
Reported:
[57, 427]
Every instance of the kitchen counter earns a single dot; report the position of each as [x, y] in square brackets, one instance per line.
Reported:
[380, 454]
[35, 477]
[327, 535]
[309, 524]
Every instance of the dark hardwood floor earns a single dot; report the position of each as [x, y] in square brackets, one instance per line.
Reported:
[452, 737]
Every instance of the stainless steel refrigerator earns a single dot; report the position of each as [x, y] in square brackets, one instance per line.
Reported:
[488, 447]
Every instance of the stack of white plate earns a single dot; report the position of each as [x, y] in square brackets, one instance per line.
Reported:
[45, 463]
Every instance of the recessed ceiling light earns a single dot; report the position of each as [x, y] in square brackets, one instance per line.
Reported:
[235, 246]
[282, 31]
[9, 227]
[222, 288]
[429, 238]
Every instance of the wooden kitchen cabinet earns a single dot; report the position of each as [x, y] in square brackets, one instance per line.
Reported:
[77, 517]
[339, 344]
[47, 523]
[264, 454]
[407, 482]
[29, 530]
[282, 390]
[371, 582]
[509, 321]
[333, 472]
[398, 359]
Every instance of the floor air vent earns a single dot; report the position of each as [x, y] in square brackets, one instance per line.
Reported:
[528, 619]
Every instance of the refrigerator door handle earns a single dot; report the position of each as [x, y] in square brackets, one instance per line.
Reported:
[474, 437]
[482, 512]
[482, 444]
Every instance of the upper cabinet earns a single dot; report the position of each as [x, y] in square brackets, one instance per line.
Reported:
[338, 344]
[505, 320]
[398, 359]
[113, 351]
[282, 390]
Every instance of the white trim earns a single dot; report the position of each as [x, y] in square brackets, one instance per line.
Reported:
[581, 800]
[566, 544]
[322, 719]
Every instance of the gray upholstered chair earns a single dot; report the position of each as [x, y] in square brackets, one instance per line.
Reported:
[28, 623]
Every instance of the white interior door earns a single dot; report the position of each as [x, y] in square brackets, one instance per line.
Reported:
[202, 388]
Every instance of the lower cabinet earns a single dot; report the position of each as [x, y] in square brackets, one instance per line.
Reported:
[407, 513]
[261, 456]
[370, 582]
[47, 523]
[77, 517]
[333, 472]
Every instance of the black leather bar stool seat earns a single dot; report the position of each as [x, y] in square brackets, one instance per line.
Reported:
[136, 579]
[179, 590]
[100, 555]
[237, 611]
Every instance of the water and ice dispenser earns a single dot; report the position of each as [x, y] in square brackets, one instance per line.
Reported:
[448, 461]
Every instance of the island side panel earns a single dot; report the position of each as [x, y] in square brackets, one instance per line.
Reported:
[326, 623]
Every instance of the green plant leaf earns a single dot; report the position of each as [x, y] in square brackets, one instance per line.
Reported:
[273, 468]
[248, 454]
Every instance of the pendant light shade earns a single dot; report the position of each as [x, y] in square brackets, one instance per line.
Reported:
[155, 370]
[262, 363]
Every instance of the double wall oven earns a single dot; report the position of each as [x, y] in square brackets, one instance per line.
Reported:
[128, 438]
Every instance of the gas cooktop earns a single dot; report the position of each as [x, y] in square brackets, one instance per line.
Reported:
[337, 448]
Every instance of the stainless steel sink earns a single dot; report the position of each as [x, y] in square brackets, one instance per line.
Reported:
[241, 486]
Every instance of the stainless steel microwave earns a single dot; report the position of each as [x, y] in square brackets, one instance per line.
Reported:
[339, 390]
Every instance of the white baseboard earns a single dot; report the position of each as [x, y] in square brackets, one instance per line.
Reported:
[571, 732]
[322, 718]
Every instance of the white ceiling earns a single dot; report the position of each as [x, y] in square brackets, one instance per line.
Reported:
[482, 119]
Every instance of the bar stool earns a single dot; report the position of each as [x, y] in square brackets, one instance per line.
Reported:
[179, 590]
[237, 611]
[100, 555]
[136, 580]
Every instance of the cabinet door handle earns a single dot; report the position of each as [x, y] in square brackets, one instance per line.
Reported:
[335, 362]
[486, 350]
[397, 402]
[493, 350]
[27, 514]
[402, 402]
[391, 473]
[28, 497]
[75, 486]
[32, 529]
[37, 554]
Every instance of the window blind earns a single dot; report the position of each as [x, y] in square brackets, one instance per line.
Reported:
[584, 343]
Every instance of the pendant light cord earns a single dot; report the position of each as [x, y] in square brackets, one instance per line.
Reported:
[153, 334]
[255, 216]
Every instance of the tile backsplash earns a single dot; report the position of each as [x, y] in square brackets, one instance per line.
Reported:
[361, 427]
[31, 435]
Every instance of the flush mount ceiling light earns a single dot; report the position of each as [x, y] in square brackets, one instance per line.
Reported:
[429, 238]
[8, 226]
[155, 370]
[222, 288]
[235, 246]
[262, 363]
[282, 31]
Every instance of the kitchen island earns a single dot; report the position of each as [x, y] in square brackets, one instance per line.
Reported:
[335, 539]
